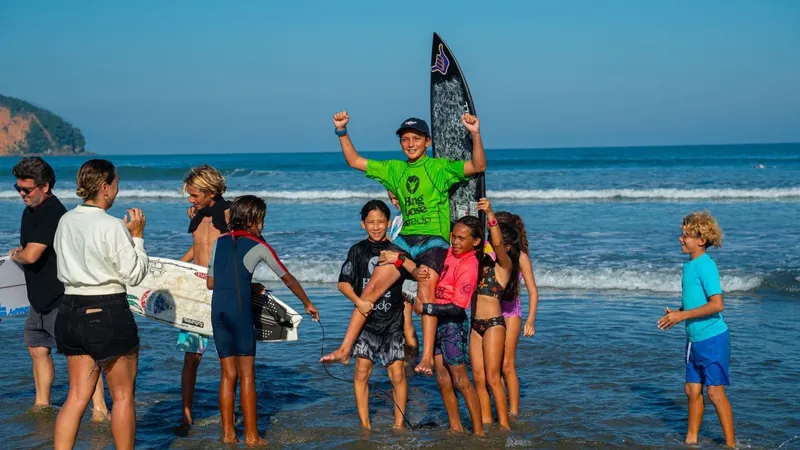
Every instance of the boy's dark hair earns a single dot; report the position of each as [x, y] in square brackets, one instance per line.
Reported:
[247, 210]
[374, 205]
[36, 169]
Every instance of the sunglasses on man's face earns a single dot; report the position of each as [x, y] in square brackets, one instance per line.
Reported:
[23, 190]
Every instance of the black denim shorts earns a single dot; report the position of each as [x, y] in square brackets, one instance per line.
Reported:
[106, 332]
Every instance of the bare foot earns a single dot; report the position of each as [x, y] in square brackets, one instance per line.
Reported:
[690, 440]
[424, 367]
[35, 409]
[230, 439]
[339, 356]
[258, 441]
[100, 417]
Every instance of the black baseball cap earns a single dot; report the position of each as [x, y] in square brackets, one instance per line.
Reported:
[412, 123]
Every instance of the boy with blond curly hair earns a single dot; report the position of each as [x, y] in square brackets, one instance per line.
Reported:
[708, 347]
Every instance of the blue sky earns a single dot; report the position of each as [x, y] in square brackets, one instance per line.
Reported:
[260, 76]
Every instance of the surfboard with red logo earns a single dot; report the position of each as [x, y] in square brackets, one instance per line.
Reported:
[175, 293]
[450, 99]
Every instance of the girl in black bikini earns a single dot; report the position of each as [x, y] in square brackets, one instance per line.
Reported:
[487, 339]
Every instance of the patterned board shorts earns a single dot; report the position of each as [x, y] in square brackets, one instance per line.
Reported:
[452, 342]
[189, 342]
[389, 347]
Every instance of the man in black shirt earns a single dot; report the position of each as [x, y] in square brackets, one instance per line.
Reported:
[43, 210]
[382, 335]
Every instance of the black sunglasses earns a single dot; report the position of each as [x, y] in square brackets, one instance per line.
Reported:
[24, 191]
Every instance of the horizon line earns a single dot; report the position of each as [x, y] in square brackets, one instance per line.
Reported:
[647, 146]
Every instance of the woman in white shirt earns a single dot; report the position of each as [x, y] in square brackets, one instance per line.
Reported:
[98, 255]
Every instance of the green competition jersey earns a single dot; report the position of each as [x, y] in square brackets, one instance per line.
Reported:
[422, 190]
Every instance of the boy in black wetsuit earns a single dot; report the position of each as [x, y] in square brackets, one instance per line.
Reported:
[383, 333]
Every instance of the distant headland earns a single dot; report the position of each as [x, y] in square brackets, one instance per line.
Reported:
[29, 130]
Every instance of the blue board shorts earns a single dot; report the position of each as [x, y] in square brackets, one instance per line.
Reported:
[428, 251]
[191, 342]
[707, 361]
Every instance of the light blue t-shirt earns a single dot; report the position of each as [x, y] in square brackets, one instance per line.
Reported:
[700, 281]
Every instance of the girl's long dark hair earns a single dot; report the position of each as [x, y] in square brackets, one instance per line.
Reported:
[515, 221]
[511, 239]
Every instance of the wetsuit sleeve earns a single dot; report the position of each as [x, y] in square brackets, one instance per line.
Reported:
[381, 172]
[267, 254]
[709, 279]
[447, 173]
[347, 273]
[466, 281]
[449, 310]
[210, 271]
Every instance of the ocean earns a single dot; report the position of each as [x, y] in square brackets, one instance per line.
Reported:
[603, 225]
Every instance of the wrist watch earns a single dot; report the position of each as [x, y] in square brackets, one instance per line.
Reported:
[401, 258]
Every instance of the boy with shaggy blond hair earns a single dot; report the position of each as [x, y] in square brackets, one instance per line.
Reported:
[708, 347]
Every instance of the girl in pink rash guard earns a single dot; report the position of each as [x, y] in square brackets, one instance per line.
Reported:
[457, 282]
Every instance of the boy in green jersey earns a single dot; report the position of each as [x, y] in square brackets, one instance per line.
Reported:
[421, 185]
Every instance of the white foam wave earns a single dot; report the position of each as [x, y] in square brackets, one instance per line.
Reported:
[521, 194]
[662, 280]
[310, 195]
[642, 194]
[632, 280]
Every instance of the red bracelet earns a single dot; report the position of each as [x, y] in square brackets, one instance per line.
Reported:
[493, 223]
[398, 263]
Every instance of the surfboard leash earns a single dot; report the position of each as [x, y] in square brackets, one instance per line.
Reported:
[369, 383]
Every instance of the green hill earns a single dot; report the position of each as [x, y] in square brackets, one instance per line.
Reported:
[29, 130]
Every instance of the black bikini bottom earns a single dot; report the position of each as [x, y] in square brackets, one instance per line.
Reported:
[481, 325]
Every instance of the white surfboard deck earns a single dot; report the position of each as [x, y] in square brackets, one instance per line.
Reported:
[174, 292]
[13, 292]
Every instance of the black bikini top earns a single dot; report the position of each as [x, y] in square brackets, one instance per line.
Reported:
[489, 286]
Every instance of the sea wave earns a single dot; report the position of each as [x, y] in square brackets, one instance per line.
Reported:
[520, 194]
[660, 281]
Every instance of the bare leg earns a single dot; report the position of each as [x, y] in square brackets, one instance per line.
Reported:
[83, 373]
[408, 327]
[191, 361]
[43, 374]
[247, 397]
[99, 407]
[461, 382]
[397, 376]
[493, 342]
[382, 279]
[227, 396]
[427, 294]
[479, 376]
[121, 379]
[361, 389]
[694, 391]
[448, 394]
[513, 327]
[717, 396]
[342, 354]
